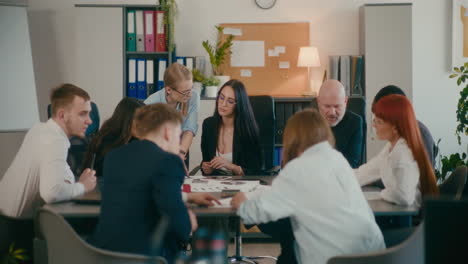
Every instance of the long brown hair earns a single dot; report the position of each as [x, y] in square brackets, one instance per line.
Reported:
[397, 110]
[173, 76]
[115, 131]
[303, 130]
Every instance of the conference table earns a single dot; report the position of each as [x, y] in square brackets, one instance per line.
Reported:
[87, 206]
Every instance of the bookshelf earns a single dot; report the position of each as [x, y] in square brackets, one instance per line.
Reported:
[152, 55]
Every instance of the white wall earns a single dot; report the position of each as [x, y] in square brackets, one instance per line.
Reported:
[334, 29]
[435, 96]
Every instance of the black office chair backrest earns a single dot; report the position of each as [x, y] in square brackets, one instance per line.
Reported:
[357, 105]
[264, 111]
[454, 185]
[446, 230]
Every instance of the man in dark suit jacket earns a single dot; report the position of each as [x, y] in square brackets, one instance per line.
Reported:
[143, 181]
[347, 126]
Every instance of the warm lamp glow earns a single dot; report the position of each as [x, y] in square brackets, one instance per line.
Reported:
[308, 57]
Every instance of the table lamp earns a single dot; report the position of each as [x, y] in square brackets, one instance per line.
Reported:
[308, 57]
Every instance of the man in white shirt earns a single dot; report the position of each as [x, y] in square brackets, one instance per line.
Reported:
[39, 173]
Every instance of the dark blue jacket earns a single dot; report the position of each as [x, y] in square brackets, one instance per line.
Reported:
[142, 181]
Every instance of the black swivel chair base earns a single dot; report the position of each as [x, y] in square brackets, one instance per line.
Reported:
[238, 258]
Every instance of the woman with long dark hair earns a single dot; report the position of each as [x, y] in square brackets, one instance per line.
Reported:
[115, 132]
[230, 139]
[403, 164]
[317, 190]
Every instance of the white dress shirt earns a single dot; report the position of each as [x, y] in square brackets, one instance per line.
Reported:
[39, 173]
[399, 173]
[328, 211]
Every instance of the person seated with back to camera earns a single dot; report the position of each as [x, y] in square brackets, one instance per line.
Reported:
[318, 191]
[143, 182]
[117, 131]
[403, 164]
[230, 140]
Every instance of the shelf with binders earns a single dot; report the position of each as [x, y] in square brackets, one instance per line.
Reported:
[145, 50]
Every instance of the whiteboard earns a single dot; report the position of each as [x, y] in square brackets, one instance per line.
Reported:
[18, 99]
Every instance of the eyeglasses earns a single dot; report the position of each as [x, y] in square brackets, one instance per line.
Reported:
[230, 101]
[185, 94]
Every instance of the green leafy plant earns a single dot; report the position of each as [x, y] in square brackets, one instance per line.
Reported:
[211, 81]
[198, 76]
[14, 256]
[447, 164]
[218, 52]
[461, 73]
[171, 12]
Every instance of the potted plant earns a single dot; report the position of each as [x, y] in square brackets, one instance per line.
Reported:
[14, 256]
[449, 163]
[171, 10]
[218, 53]
[198, 79]
[211, 86]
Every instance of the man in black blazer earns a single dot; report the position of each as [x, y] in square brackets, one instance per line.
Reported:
[347, 127]
[143, 181]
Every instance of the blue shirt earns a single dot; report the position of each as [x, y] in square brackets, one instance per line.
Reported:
[191, 119]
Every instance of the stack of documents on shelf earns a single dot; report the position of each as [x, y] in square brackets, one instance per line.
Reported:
[218, 184]
[349, 70]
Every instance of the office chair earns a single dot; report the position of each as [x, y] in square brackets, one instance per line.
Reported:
[454, 185]
[411, 251]
[445, 230]
[65, 246]
[357, 105]
[17, 231]
[263, 108]
[79, 146]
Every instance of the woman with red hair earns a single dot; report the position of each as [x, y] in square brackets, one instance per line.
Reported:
[403, 164]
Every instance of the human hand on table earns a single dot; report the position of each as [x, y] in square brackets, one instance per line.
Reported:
[205, 199]
[237, 200]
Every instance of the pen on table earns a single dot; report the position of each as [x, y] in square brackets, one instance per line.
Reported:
[91, 166]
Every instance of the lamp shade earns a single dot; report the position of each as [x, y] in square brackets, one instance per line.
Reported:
[308, 57]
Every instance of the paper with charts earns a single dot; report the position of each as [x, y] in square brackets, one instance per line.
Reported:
[218, 184]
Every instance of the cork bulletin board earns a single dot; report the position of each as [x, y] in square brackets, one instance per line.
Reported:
[264, 57]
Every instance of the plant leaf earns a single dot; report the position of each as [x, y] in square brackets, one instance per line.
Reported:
[456, 69]
[453, 75]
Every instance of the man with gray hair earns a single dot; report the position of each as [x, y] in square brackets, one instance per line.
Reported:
[347, 127]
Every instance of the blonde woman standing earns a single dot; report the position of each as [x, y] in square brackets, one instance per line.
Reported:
[178, 94]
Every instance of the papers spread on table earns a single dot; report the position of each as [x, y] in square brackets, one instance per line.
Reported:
[372, 195]
[218, 184]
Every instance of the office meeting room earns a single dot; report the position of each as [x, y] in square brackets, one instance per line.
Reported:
[233, 131]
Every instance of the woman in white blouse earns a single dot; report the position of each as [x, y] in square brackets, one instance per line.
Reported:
[318, 191]
[403, 164]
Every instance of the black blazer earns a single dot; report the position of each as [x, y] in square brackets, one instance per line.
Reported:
[248, 156]
[349, 136]
[142, 181]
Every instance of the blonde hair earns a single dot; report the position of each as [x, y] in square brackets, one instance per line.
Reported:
[173, 76]
[151, 118]
[303, 130]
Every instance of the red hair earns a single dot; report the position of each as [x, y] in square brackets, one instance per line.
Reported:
[397, 110]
